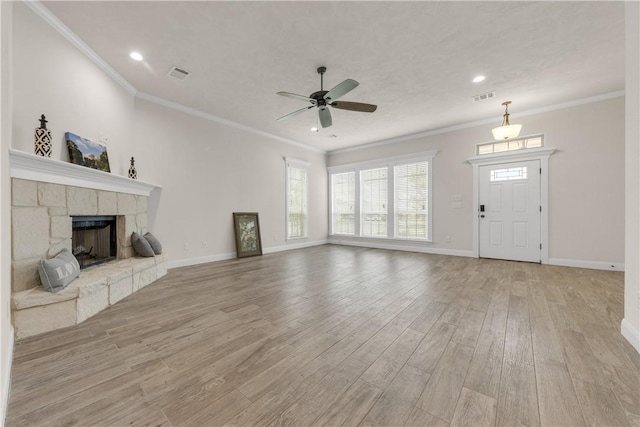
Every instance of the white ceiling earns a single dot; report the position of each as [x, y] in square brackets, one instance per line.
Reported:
[415, 60]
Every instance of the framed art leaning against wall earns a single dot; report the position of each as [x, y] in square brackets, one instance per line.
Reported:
[247, 230]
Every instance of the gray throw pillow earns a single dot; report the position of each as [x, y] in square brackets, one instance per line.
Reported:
[141, 246]
[155, 244]
[56, 273]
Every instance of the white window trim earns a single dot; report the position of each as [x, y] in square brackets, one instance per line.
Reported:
[388, 162]
[300, 164]
[541, 154]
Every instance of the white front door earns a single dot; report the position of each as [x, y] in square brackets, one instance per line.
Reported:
[509, 211]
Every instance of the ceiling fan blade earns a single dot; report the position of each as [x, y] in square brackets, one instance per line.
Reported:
[325, 117]
[296, 96]
[354, 106]
[295, 113]
[341, 89]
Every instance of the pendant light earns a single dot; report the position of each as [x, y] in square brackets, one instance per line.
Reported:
[506, 130]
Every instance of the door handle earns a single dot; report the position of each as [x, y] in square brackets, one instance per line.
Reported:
[481, 216]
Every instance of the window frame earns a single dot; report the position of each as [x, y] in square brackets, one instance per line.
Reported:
[389, 163]
[302, 165]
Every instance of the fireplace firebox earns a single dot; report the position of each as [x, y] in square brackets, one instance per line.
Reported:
[94, 239]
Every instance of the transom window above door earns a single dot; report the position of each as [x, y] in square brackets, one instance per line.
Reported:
[536, 141]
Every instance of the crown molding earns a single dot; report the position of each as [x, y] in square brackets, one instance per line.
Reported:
[201, 114]
[44, 13]
[73, 38]
[548, 108]
[66, 32]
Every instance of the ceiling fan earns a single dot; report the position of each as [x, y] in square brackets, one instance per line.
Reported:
[323, 98]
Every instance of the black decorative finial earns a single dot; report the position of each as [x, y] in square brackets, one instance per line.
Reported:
[43, 122]
[132, 160]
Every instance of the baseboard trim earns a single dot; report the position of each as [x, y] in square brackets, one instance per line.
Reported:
[402, 247]
[186, 262]
[292, 246]
[631, 334]
[593, 265]
[6, 377]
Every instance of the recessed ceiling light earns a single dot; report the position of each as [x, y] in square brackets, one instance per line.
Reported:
[136, 56]
[478, 79]
[314, 129]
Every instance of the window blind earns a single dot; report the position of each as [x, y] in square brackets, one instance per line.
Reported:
[374, 201]
[296, 200]
[343, 191]
[411, 200]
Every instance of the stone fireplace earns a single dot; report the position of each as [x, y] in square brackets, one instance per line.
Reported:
[55, 202]
[42, 222]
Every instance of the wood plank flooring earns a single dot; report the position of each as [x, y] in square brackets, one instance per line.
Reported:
[335, 335]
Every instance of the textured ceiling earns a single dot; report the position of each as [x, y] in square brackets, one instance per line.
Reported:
[415, 60]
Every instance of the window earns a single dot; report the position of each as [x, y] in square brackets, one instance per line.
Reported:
[508, 174]
[374, 199]
[343, 203]
[296, 198]
[509, 145]
[411, 200]
[384, 199]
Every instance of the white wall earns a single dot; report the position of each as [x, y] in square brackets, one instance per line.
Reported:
[631, 322]
[6, 330]
[52, 77]
[207, 170]
[586, 191]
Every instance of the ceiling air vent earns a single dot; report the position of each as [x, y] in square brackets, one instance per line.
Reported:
[484, 96]
[178, 73]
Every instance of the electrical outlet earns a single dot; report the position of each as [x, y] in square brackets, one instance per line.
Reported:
[275, 237]
[204, 244]
[447, 239]
[186, 246]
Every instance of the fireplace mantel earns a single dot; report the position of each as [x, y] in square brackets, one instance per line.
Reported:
[36, 168]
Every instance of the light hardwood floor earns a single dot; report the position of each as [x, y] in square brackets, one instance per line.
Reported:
[336, 335]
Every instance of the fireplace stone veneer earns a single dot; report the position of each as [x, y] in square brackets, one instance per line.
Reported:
[45, 194]
[41, 222]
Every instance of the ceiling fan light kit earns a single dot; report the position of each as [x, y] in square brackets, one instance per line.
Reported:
[506, 130]
[323, 99]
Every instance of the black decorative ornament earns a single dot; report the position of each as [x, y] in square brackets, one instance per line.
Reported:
[42, 142]
[133, 174]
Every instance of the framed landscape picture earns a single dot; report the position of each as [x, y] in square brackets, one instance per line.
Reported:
[87, 153]
[247, 229]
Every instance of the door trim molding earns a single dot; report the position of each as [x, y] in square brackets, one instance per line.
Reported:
[541, 154]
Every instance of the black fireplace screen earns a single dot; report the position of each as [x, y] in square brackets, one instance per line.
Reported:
[94, 239]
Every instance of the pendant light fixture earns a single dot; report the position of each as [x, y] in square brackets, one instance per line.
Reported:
[506, 130]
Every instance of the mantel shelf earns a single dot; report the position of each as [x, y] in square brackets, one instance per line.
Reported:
[36, 168]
